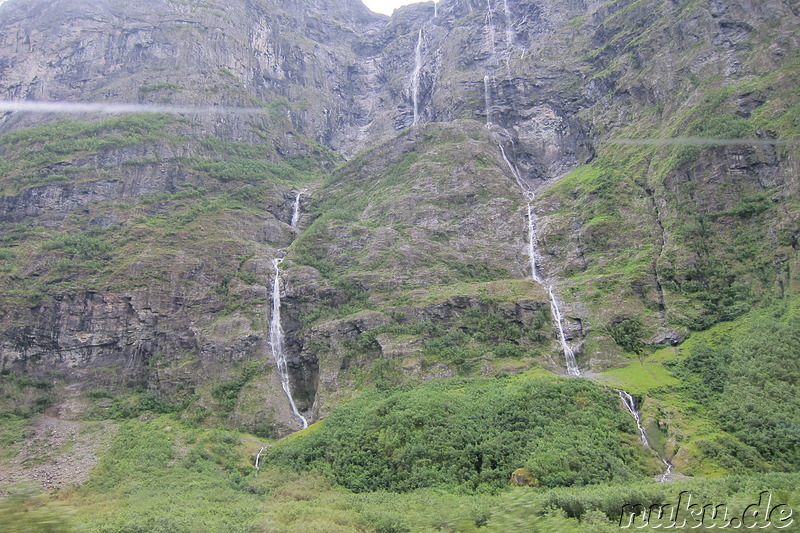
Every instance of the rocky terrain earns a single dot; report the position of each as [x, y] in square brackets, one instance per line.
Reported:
[136, 249]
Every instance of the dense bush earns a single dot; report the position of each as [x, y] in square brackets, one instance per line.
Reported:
[470, 435]
[751, 377]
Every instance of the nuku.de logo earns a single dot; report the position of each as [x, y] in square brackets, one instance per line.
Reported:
[687, 515]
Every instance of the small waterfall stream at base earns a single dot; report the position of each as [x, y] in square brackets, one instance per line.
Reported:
[630, 406]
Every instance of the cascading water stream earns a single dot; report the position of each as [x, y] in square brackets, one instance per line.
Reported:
[490, 29]
[514, 171]
[435, 9]
[487, 98]
[532, 241]
[509, 32]
[296, 209]
[276, 341]
[258, 456]
[569, 355]
[415, 76]
[630, 406]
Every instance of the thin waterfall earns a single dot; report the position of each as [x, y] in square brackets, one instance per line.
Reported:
[490, 29]
[296, 209]
[569, 355]
[276, 341]
[630, 406]
[531, 227]
[663, 478]
[514, 171]
[435, 9]
[415, 76]
[258, 456]
[532, 241]
[509, 31]
[487, 98]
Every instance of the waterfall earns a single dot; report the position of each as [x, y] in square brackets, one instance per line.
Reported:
[663, 478]
[532, 241]
[435, 9]
[258, 455]
[569, 355]
[630, 406]
[514, 171]
[509, 31]
[490, 29]
[276, 341]
[415, 76]
[487, 98]
[531, 228]
[296, 209]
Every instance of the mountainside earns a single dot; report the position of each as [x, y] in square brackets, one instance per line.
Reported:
[409, 171]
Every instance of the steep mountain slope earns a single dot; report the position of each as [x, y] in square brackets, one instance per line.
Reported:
[136, 250]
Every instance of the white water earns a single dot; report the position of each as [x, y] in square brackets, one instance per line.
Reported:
[532, 241]
[569, 355]
[296, 209]
[435, 9]
[509, 31]
[276, 341]
[415, 76]
[487, 98]
[514, 171]
[531, 221]
[630, 406]
[663, 478]
[258, 455]
[490, 29]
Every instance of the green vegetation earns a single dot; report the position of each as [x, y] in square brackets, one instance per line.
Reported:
[470, 435]
[31, 153]
[85, 245]
[152, 466]
[227, 393]
[166, 87]
[160, 474]
[26, 510]
[23, 396]
[627, 332]
[749, 375]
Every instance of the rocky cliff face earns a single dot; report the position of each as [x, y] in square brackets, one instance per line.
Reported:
[135, 250]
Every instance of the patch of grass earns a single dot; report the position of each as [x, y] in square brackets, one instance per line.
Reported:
[644, 375]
